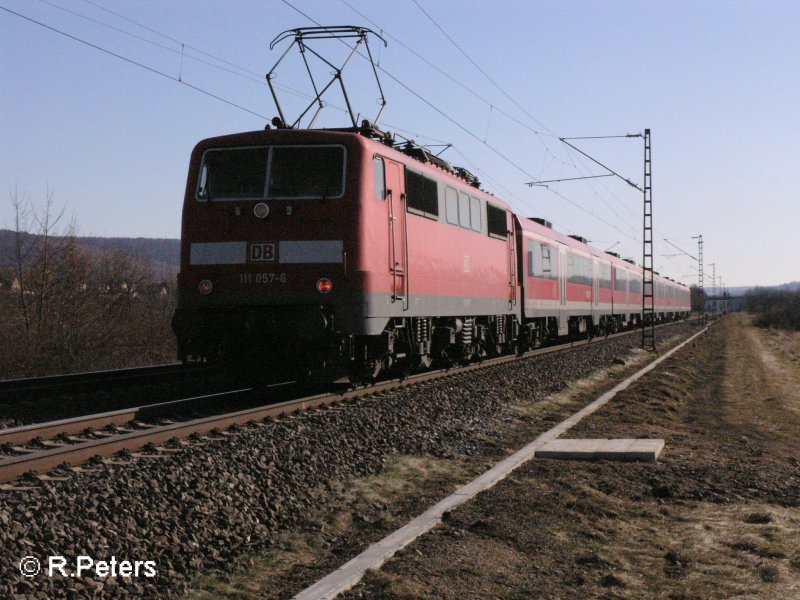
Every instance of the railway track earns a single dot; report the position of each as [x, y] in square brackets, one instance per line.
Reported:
[43, 447]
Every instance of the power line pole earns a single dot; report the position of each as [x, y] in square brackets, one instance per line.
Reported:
[714, 285]
[700, 282]
[648, 284]
[724, 297]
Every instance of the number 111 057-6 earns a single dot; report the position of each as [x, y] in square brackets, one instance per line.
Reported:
[247, 278]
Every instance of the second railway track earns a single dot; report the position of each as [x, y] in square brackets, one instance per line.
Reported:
[63, 397]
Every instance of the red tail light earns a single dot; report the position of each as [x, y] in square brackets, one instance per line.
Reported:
[324, 285]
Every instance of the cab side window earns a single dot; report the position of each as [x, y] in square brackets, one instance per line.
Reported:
[380, 178]
[496, 221]
[422, 195]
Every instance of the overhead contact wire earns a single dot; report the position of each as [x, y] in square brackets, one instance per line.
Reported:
[133, 62]
[444, 73]
[484, 73]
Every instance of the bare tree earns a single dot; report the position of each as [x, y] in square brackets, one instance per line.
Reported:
[76, 308]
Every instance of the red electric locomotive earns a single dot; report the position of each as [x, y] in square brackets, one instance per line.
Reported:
[303, 249]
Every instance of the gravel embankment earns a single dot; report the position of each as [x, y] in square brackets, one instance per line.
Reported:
[212, 505]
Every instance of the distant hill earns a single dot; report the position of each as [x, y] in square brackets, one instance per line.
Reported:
[788, 287]
[159, 250]
[164, 254]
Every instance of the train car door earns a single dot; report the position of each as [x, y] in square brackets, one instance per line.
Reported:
[398, 232]
[613, 286]
[512, 263]
[563, 317]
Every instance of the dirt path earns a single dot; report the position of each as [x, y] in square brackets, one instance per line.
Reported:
[770, 379]
[717, 517]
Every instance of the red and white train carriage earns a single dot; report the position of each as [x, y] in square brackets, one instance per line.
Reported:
[303, 248]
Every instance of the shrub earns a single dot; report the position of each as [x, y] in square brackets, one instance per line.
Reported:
[774, 308]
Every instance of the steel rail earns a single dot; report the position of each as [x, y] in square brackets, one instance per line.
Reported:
[42, 461]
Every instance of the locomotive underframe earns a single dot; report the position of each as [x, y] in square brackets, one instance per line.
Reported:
[410, 343]
[299, 340]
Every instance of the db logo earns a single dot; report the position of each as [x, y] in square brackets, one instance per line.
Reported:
[263, 251]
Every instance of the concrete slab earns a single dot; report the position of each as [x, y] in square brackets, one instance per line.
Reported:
[634, 450]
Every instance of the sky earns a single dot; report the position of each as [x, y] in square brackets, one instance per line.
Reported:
[716, 82]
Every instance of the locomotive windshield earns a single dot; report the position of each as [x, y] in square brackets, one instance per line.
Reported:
[233, 174]
[282, 172]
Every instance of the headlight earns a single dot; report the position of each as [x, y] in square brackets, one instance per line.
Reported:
[261, 210]
[206, 287]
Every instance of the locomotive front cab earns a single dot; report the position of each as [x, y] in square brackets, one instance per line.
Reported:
[269, 233]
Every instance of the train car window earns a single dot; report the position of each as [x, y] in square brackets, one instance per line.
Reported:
[533, 248]
[306, 172]
[380, 178]
[605, 276]
[579, 270]
[621, 281]
[496, 221]
[542, 261]
[233, 174]
[463, 210]
[422, 195]
[475, 209]
[636, 285]
[451, 205]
